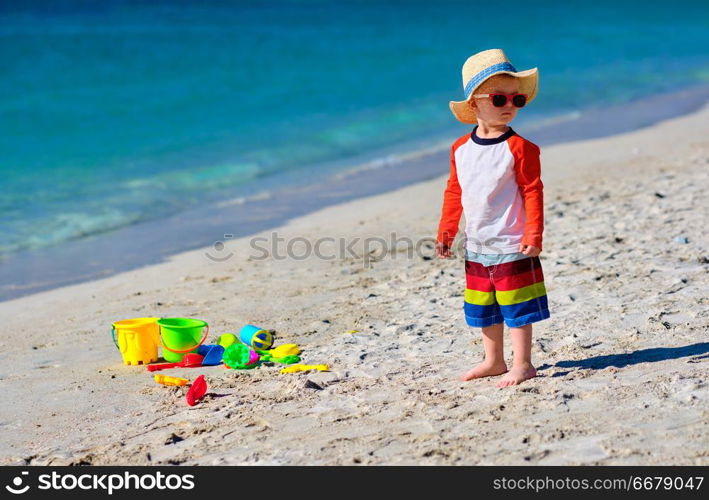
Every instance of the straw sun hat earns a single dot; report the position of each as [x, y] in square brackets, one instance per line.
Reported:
[482, 66]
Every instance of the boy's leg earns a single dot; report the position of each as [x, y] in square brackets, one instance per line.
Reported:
[522, 368]
[494, 362]
[520, 291]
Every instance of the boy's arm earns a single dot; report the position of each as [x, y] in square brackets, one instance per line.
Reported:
[452, 206]
[528, 174]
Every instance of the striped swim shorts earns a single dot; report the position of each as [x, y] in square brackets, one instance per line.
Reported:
[512, 291]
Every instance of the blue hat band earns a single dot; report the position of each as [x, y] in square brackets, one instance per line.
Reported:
[475, 80]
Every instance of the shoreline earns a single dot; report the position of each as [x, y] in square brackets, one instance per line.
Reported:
[151, 242]
[628, 324]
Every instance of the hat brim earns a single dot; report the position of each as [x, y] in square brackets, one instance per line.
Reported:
[529, 82]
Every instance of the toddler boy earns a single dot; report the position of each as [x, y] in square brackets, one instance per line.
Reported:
[495, 179]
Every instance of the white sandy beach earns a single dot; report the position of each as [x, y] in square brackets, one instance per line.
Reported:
[622, 361]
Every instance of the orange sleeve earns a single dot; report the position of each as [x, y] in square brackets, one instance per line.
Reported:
[452, 205]
[528, 175]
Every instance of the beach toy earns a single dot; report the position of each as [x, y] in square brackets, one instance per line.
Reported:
[137, 339]
[179, 336]
[165, 380]
[212, 354]
[287, 360]
[304, 368]
[226, 339]
[255, 337]
[286, 354]
[239, 357]
[197, 391]
[284, 350]
[189, 361]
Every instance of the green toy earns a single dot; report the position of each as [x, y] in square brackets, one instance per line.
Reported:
[286, 354]
[179, 336]
[285, 360]
[240, 357]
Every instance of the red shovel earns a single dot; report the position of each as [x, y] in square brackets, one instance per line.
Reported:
[198, 389]
[189, 361]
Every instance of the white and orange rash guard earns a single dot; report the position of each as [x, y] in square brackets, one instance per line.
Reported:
[497, 183]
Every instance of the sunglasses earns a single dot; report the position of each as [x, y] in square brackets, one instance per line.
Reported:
[499, 100]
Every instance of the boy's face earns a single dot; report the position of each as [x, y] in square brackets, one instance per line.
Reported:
[498, 84]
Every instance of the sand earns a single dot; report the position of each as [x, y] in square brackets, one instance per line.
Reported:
[622, 361]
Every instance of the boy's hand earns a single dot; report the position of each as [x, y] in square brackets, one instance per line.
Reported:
[529, 250]
[443, 251]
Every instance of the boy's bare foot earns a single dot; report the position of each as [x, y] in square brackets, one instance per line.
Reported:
[517, 375]
[485, 369]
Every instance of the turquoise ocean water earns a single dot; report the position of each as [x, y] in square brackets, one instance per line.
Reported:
[114, 113]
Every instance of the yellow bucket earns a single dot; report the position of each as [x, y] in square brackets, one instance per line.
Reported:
[137, 339]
